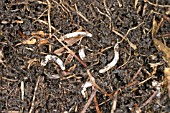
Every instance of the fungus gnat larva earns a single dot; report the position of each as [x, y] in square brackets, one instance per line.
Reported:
[82, 53]
[55, 59]
[76, 34]
[114, 61]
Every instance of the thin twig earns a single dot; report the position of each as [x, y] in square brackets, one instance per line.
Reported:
[119, 3]
[49, 22]
[157, 4]
[114, 102]
[145, 80]
[125, 36]
[77, 11]
[44, 22]
[133, 29]
[81, 15]
[164, 35]
[103, 13]
[94, 83]
[137, 73]
[95, 102]
[150, 99]
[71, 52]
[89, 101]
[40, 15]
[107, 11]
[166, 18]
[33, 99]
[132, 83]
[105, 6]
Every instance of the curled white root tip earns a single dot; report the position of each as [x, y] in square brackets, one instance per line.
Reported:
[114, 61]
[55, 59]
[85, 86]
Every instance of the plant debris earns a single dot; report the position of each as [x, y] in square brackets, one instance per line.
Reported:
[72, 56]
[167, 76]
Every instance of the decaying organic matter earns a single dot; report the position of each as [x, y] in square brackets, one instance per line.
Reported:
[93, 56]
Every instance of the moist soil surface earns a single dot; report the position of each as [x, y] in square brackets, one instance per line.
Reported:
[134, 84]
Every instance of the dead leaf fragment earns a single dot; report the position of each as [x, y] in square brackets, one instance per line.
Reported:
[71, 69]
[167, 76]
[29, 41]
[68, 59]
[70, 42]
[70, 39]
[155, 64]
[73, 40]
[40, 33]
[158, 44]
[168, 11]
[131, 44]
[42, 42]
[156, 26]
[162, 47]
[59, 51]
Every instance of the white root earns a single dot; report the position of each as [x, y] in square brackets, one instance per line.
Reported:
[114, 61]
[53, 58]
[157, 86]
[85, 86]
[76, 34]
[82, 53]
[22, 90]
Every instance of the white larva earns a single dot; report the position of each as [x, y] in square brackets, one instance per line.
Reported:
[114, 61]
[75, 34]
[55, 59]
[85, 86]
[82, 53]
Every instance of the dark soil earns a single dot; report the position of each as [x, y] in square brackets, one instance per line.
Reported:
[19, 19]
